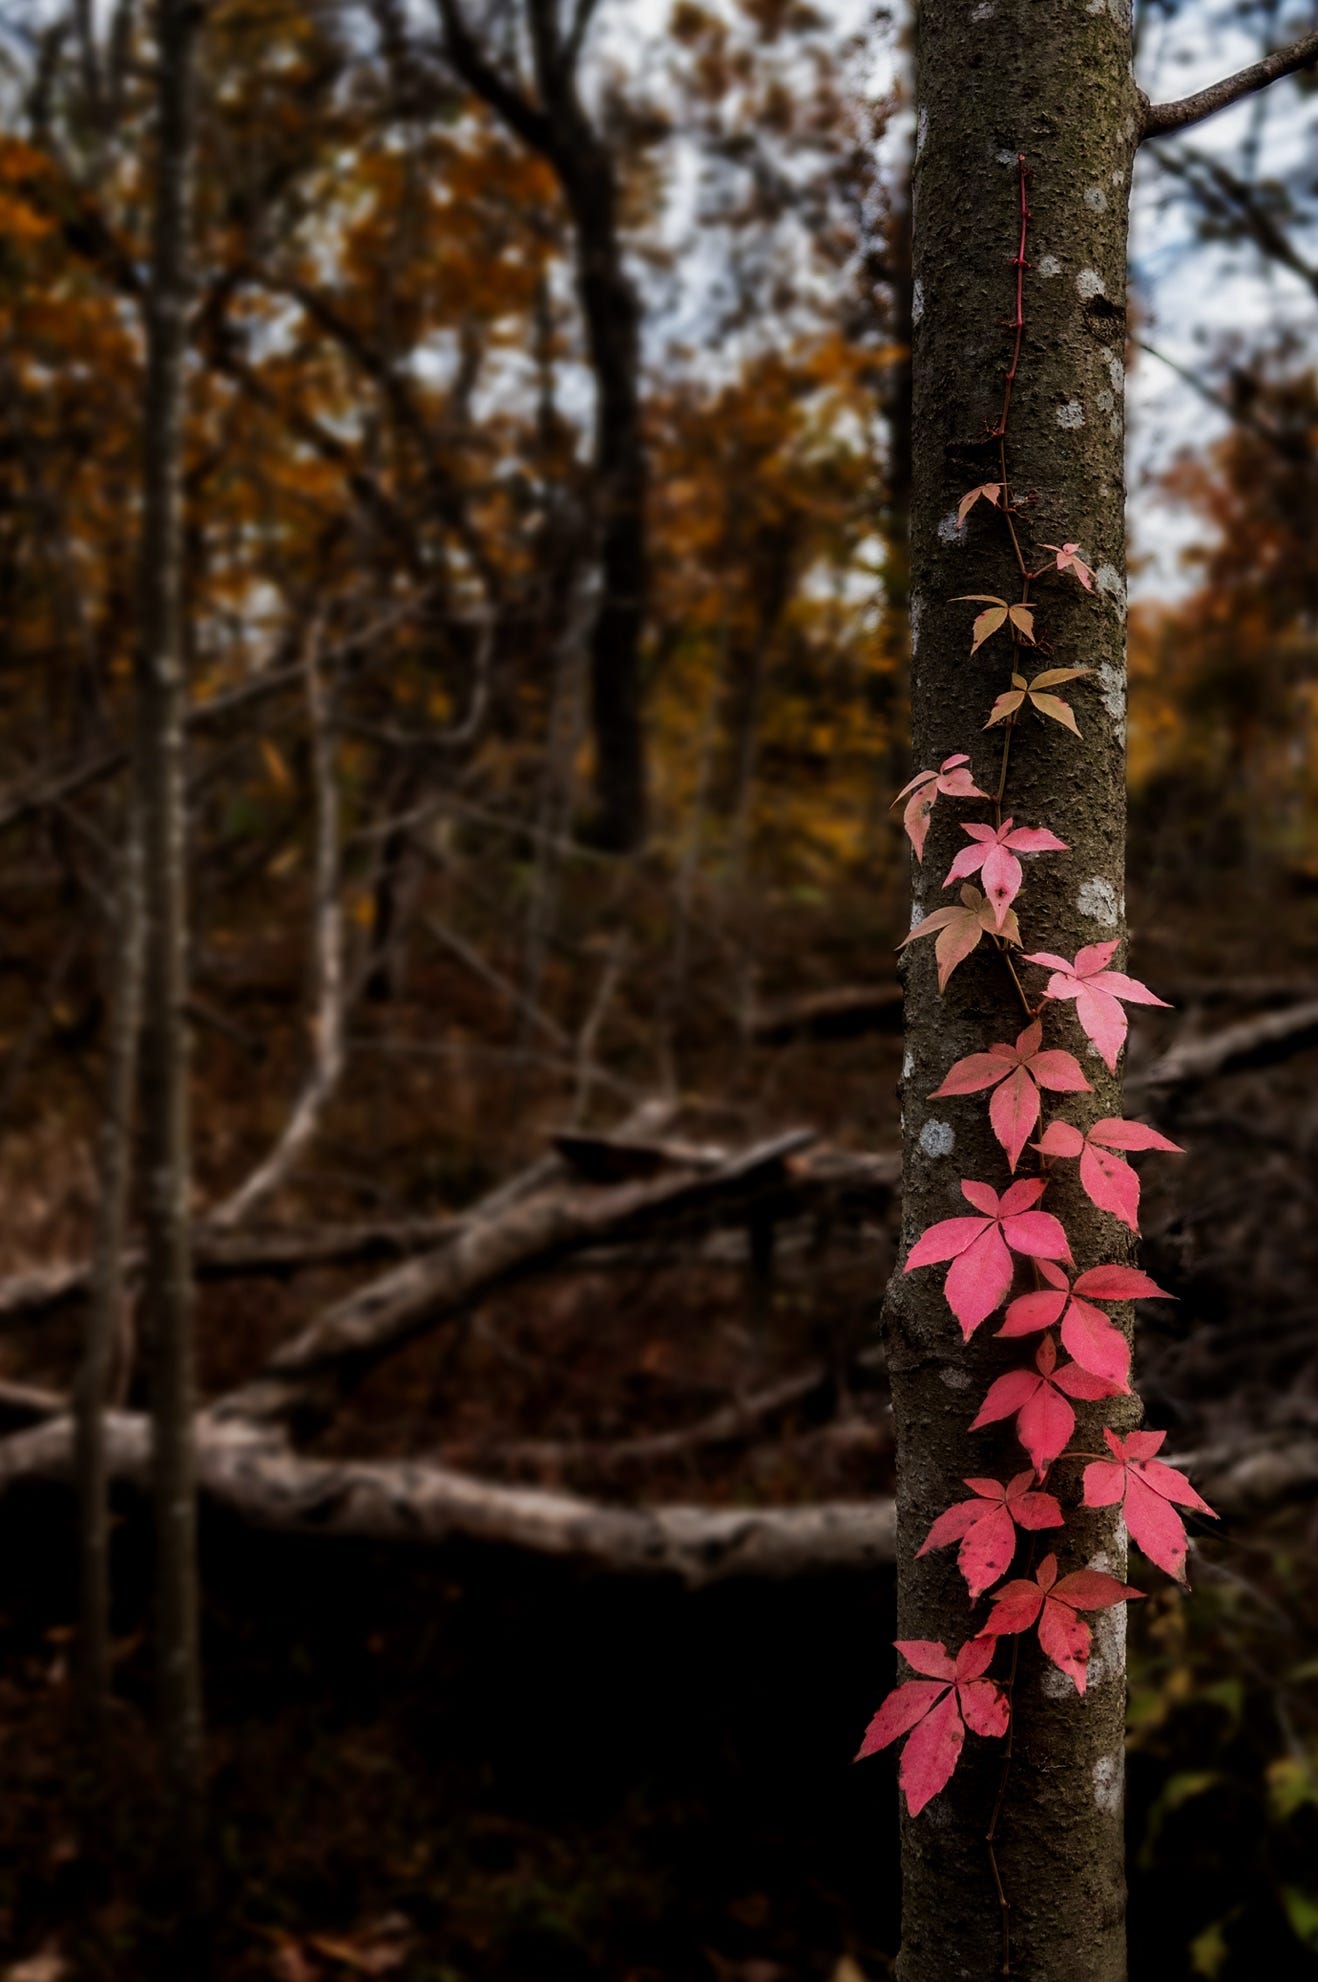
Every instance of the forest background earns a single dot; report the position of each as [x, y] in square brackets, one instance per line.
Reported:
[546, 464]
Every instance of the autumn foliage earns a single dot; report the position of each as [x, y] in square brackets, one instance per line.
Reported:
[1011, 1231]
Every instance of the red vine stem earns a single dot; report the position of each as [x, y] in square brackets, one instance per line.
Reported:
[1018, 323]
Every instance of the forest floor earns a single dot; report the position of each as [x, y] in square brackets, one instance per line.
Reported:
[472, 1765]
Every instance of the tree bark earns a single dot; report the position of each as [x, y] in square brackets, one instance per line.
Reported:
[1061, 92]
[106, 1315]
[167, 1297]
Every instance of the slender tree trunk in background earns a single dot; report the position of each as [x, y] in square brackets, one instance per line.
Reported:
[895, 401]
[613, 330]
[106, 1309]
[167, 1297]
[558, 127]
[1058, 89]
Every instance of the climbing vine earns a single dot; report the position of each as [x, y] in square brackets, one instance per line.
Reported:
[1008, 1233]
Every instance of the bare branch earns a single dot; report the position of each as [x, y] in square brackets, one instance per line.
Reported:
[327, 1024]
[464, 54]
[1229, 198]
[1159, 118]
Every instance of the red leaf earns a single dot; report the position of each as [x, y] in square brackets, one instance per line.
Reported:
[934, 1713]
[1119, 1283]
[960, 930]
[994, 851]
[986, 1527]
[1016, 1608]
[921, 794]
[979, 1279]
[932, 1751]
[1145, 1488]
[1097, 992]
[899, 1714]
[928, 1656]
[1038, 1234]
[1068, 561]
[1107, 1180]
[1063, 1635]
[1039, 1400]
[1013, 1112]
[1096, 1343]
[1017, 1072]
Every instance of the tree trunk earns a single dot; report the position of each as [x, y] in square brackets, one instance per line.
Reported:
[167, 1298]
[1059, 91]
[613, 335]
[556, 125]
[106, 1314]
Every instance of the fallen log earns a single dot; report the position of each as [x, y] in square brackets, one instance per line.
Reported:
[1254, 1042]
[1255, 1475]
[731, 1424]
[219, 1255]
[304, 1378]
[415, 1502]
[845, 1011]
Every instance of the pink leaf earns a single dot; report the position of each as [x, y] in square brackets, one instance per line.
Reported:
[1111, 1184]
[1035, 839]
[1146, 1487]
[1032, 1509]
[1114, 1133]
[1059, 1072]
[984, 1706]
[951, 1525]
[1015, 1609]
[980, 1279]
[1008, 1394]
[1031, 1313]
[1021, 1195]
[971, 1075]
[1002, 876]
[1038, 1234]
[1097, 991]
[943, 1241]
[1083, 1385]
[899, 1714]
[1119, 1283]
[1103, 1021]
[928, 1656]
[1013, 1112]
[974, 1659]
[1060, 1139]
[1044, 1426]
[1096, 1343]
[931, 1754]
[1065, 1638]
[1155, 1527]
[1131, 990]
[987, 1551]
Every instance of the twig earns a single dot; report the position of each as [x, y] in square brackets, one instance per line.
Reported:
[1159, 118]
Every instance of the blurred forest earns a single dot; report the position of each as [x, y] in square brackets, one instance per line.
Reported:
[545, 472]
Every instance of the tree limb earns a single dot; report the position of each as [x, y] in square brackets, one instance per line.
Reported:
[1252, 1042]
[1159, 118]
[420, 1503]
[327, 971]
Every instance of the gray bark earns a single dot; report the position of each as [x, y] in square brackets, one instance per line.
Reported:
[167, 1278]
[1060, 91]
